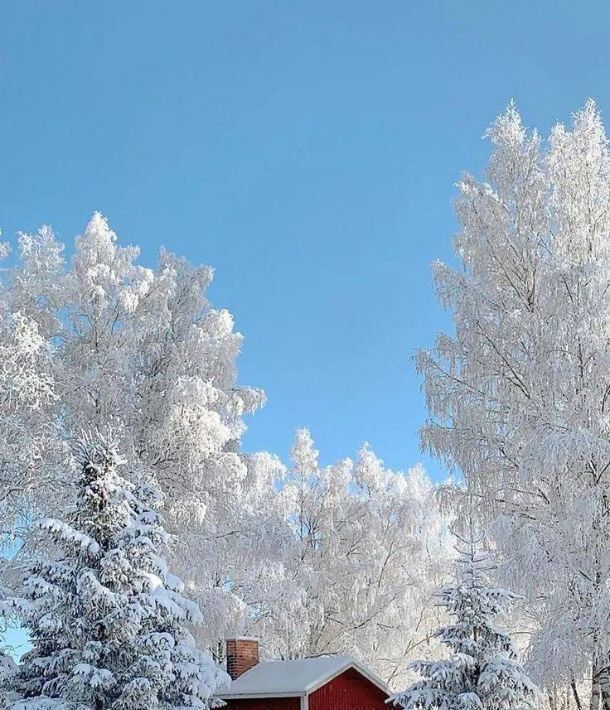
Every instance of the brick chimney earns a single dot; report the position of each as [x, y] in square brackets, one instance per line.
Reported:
[242, 654]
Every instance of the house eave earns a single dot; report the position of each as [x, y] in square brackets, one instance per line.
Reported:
[260, 696]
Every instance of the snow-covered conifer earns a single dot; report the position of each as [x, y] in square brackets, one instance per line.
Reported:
[107, 618]
[482, 671]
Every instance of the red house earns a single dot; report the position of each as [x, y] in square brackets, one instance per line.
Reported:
[324, 683]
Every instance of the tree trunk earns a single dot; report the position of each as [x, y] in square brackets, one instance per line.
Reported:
[576, 696]
[604, 684]
[594, 702]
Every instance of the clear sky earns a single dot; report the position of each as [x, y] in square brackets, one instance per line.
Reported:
[306, 150]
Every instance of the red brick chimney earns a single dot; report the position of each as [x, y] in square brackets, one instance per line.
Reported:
[242, 654]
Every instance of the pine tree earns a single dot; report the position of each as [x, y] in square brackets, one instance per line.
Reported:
[482, 672]
[106, 617]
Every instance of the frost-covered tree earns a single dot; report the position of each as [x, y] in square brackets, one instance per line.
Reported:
[27, 407]
[482, 671]
[28, 436]
[368, 545]
[8, 669]
[107, 619]
[116, 345]
[29, 445]
[519, 394]
[99, 340]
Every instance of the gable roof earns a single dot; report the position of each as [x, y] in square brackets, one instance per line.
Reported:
[297, 678]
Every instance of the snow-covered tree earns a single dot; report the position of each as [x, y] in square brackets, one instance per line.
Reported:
[101, 341]
[482, 671]
[519, 394]
[28, 441]
[116, 345]
[29, 445]
[8, 669]
[368, 545]
[107, 619]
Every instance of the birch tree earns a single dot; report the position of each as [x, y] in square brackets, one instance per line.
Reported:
[368, 547]
[99, 340]
[518, 395]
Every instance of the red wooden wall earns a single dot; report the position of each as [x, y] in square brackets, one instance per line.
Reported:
[348, 691]
[271, 704]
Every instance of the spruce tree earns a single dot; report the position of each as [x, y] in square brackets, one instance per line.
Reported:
[107, 618]
[482, 671]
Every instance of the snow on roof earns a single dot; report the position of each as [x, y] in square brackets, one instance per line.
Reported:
[297, 678]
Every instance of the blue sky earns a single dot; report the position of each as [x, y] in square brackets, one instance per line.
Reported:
[306, 150]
